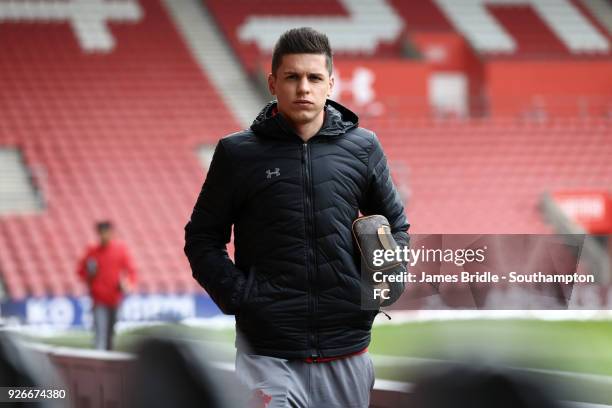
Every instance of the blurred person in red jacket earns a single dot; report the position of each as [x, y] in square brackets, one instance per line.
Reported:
[108, 270]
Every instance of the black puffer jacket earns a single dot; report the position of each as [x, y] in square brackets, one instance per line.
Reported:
[295, 286]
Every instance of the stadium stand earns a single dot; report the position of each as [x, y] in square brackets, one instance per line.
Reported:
[543, 23]
[115, 127]
[466, 39]
[495, 28]
[251, 26]
[116, 133]
[488, 176]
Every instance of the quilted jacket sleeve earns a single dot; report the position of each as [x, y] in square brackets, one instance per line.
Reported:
[383, 198]
[208, 232]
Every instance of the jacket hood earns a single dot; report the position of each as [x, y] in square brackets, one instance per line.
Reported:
[338, 120]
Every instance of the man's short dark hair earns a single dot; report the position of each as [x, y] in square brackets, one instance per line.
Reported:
[303, 40]
[104, 226]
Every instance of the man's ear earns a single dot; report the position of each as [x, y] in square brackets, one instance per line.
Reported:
[272, 83]
[331, 86]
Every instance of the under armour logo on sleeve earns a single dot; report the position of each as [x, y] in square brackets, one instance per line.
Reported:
[270, 173]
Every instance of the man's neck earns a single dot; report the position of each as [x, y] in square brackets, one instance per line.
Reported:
[307, 130]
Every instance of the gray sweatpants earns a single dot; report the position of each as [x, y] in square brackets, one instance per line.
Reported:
[276, 382]
[104, 325]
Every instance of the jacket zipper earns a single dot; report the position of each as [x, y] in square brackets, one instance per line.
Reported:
[310, 251]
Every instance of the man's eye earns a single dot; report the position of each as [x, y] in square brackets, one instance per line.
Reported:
[315, 78]
[291, 76]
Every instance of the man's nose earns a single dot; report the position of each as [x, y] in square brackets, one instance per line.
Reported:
[303, 85]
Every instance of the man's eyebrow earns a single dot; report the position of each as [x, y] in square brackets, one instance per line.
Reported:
[306, 73]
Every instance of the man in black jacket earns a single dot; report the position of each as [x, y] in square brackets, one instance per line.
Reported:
[291, 186]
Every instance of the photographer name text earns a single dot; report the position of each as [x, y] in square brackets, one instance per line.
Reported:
[482, 277]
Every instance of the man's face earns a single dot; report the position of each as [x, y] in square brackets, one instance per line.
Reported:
[105, 235]
[301, 85]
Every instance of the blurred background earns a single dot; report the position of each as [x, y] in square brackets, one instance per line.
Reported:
[496, 117]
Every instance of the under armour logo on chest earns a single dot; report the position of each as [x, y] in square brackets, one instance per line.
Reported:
[270, 173]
